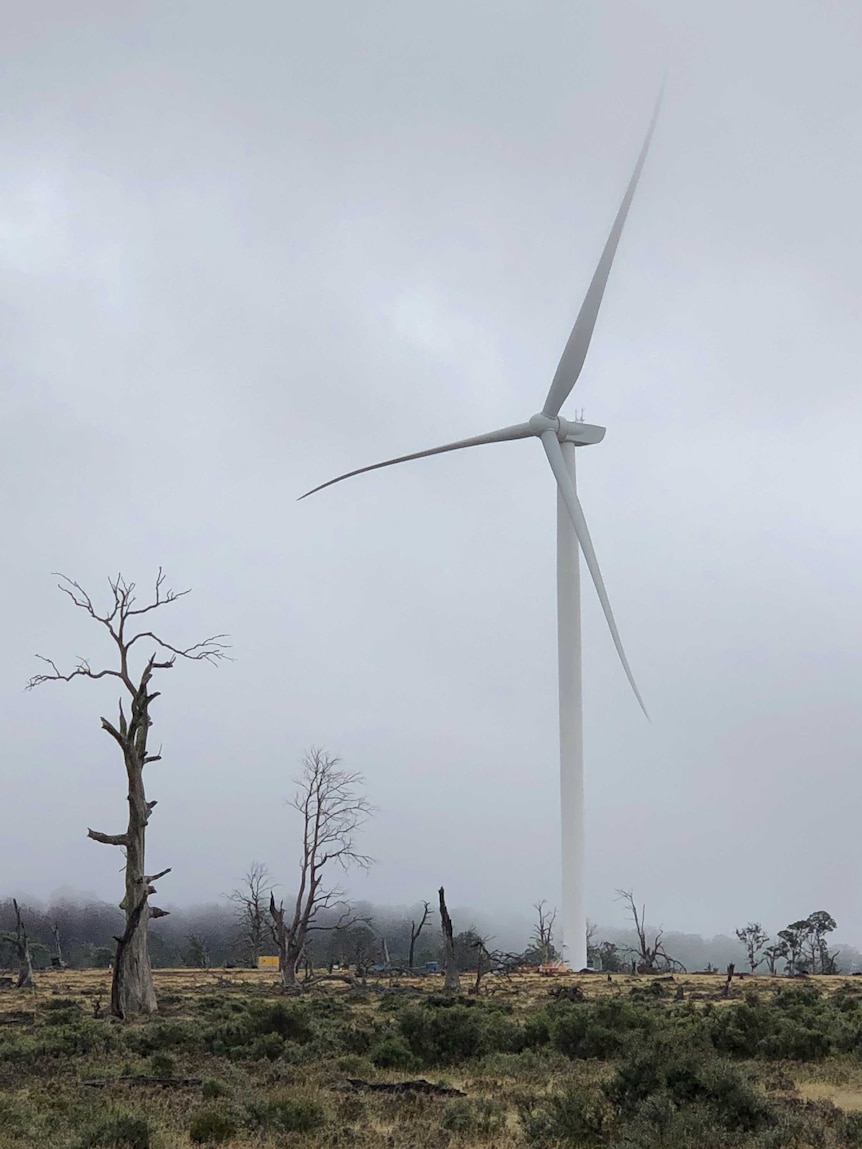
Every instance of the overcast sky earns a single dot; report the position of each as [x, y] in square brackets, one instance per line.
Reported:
[244, 248]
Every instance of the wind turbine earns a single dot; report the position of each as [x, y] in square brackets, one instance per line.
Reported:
[559, 438]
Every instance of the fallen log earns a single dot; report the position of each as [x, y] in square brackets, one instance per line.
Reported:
[420, 1085]
[144, 1079]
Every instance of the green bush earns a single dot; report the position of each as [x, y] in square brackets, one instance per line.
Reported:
[577, 1116]
[211, 1125]
[160, 1035]
[162, 1065]
[267, 1047]
[285, 1114]
[213, 1088]
[665, 1074]
[457, 1033]
[597, 1029]
[289, 1022]
[393, 1053]
[121, 1132]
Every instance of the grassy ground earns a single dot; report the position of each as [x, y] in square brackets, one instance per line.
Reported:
[637, 1063]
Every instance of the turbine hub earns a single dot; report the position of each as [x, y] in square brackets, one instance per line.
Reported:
[566, 430]
[541, 423]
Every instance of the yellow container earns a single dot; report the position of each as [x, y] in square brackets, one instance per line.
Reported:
[267, 961]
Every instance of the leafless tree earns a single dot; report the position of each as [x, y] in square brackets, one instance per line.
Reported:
[452, 981]
[58, 959]
[250, 903]
[22, 947]
[543, 931]
[132, 989]
[592, 949]
[416, 930]
[484, 961]
[754, 937]
[332, 811]
[652, 954]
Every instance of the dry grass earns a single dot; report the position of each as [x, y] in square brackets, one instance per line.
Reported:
[47, 1102]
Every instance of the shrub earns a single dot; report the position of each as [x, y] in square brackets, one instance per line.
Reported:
[289, 1022]
[393, 1053]
[285, 1114]
[660, 1076]
[267, 1047]
[456, 1033]
[162, 1065]
[597, 1029]
[121, 1132]
[578, 1116]
[211, 1125]
[213, 1088]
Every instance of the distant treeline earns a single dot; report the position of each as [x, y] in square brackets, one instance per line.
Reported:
[83, 935]
[212, 935]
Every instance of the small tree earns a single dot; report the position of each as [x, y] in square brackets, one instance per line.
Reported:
[610, 958]
[250, 903]
[794, 938]
[197, 955]
[754, 937]
[416, 930]
[775, 953]
[22, 949]
[820, 923]
[543, 931]
[332, 811]
[652, 954]
[132, 988]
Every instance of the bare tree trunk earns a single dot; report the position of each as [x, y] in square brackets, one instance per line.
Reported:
[452, 982]
[132, 989]
[58, 960]
[22, 945]
[289, 952]
[415, 931]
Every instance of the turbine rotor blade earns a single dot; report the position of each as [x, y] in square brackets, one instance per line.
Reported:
[570, 497]
[575, 352]
[504, 435]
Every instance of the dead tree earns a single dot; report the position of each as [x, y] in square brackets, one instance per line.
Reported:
[452, 981]
[132, 989]
[332, 811]
[754, 937]
[22, 948]
[250, 902]
[484, 961]
[57, 960]
[543, 932]
[652, 954]
[415, 931]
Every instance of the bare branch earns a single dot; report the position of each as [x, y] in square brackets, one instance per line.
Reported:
[210, 650]
[82, 670]
[149, 879]
[169, 596]
[108, 839]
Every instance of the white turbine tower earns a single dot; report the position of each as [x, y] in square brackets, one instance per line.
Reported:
[559, 439]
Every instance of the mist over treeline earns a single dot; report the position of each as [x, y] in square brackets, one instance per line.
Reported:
[212, 934]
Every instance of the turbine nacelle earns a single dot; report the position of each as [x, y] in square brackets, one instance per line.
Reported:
[581, 434]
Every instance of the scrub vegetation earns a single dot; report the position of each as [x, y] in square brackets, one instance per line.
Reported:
[625, 1063]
